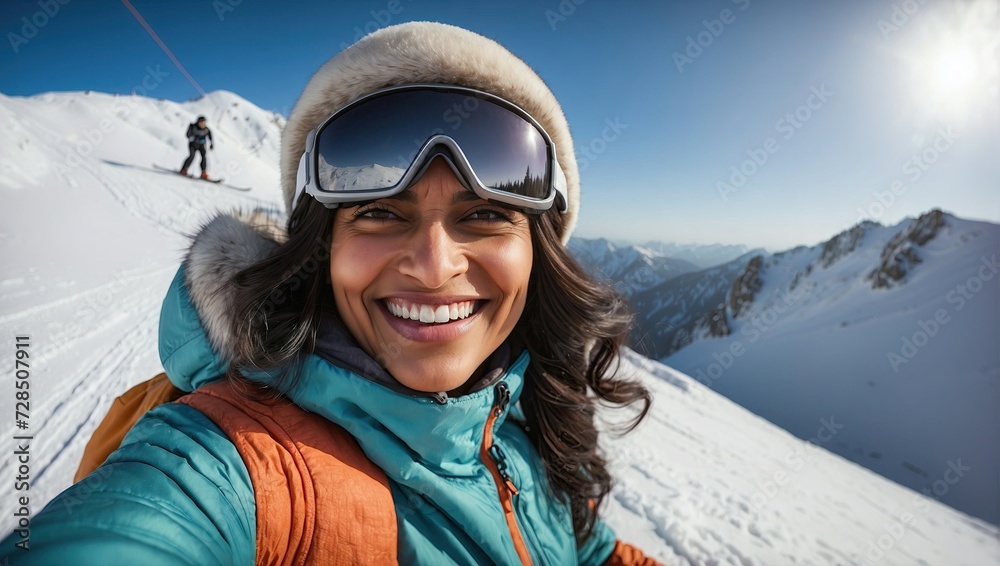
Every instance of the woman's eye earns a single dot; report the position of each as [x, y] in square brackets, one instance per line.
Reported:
[375, 213]
[489, 214]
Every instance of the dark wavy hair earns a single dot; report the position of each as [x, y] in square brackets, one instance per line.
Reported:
[572, 326]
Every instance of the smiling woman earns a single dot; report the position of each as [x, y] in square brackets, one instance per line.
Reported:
[401, 266]
[407, 372]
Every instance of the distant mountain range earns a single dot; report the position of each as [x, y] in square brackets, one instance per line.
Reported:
[634, 268]
[702, 255]
[671, 287]
[892, 330]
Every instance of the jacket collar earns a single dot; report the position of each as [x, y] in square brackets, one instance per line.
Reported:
[335, 345]
[405, 435]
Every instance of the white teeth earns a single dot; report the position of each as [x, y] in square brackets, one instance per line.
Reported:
[441, 314]
[428, 314]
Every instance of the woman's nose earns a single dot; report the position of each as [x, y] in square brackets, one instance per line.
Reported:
[432, 256]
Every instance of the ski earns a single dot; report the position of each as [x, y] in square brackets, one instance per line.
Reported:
[196, 178]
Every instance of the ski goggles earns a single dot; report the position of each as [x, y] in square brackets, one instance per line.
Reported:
[378, 145]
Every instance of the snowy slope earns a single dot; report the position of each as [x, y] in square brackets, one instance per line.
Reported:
[911, 368]
[67, 157]
[353, 178]
[88, 254]
[717, 484]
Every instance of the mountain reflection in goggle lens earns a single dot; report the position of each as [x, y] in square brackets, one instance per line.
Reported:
[370, 146]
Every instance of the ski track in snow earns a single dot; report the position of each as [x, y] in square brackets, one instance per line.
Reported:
[91, 366]
[192, 201]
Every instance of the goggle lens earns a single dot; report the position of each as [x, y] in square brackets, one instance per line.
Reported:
[371, 145]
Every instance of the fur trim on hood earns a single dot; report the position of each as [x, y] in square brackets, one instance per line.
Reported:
[222, 248]
[427, 52]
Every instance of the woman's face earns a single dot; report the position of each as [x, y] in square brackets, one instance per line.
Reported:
[432, 280]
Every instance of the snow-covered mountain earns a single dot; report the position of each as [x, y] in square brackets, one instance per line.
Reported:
[630, 268]
[893, 331]
[669, 295]
[353, 178]
[89, 252]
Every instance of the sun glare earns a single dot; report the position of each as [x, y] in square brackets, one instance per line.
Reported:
[531, 136]
[955, 70]
[954, 62]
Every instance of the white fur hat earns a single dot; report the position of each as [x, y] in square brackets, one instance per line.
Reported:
[427, 52]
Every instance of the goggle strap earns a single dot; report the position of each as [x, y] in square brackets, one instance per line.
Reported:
[559, 182]
[301, 179]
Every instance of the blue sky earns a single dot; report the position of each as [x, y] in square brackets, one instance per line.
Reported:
[765, 123]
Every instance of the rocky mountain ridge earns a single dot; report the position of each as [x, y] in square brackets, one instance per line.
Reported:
[897, 258]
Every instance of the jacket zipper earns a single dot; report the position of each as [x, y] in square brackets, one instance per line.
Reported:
[496, 462]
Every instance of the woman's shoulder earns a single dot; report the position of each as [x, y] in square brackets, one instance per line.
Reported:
[178, 445]
[176, 491]
[174, 432]
[186, 447]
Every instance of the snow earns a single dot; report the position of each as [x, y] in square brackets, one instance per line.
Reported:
[89, 248]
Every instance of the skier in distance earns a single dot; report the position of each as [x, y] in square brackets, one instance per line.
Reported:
[198, 135]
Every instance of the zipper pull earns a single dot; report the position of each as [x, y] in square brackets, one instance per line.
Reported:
[499, 406]
[501, 460]
[503, 398]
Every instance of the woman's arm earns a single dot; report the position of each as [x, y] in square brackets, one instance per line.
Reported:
[176, 492]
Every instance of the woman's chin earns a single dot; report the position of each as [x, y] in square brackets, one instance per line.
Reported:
[433, 378]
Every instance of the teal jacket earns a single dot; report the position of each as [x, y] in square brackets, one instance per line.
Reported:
[177, 491]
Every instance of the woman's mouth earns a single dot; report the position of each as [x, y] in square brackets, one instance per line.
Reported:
[428, 313]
